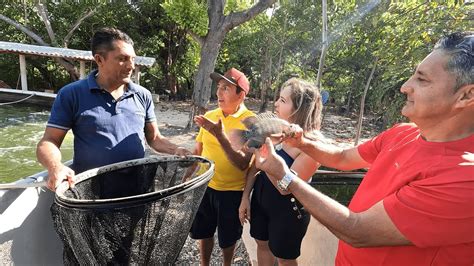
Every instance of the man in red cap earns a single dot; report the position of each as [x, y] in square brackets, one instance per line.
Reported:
[220, 204]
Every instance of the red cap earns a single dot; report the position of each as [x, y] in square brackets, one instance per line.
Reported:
[234, 77]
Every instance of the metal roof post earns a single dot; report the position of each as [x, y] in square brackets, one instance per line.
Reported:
[137, 74]
[24, 83]
[82, 69]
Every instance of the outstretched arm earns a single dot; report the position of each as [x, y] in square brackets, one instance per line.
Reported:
[49, 155]
[369, 228]
[327, 154]
[160, 143]
[240, 158]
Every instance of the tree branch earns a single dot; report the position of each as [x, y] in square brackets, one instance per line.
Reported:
[69, 66]
[215, 13]
[76, 25]
[24, 29]
[43, 14]
[235, 19]
[362, 103]
[196, 37]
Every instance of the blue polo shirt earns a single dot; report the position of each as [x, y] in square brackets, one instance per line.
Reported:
[105, 130]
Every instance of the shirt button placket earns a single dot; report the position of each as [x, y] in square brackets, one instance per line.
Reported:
[117, 109]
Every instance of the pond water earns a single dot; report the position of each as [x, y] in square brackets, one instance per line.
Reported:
[21, 127]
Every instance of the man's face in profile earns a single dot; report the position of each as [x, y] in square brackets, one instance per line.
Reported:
[430, 90]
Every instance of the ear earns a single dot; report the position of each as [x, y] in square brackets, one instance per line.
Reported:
[98, 59]
[242, 96]
[466, 96]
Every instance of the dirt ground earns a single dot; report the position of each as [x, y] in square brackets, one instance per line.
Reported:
[172, 118]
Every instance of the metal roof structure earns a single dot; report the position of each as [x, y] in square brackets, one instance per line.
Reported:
[81, 55]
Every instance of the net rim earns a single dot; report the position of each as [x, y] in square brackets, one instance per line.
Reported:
[160, 194]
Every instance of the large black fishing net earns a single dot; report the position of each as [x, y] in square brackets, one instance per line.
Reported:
[134, 212]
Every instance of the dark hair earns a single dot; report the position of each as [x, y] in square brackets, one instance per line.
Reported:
[238, 89]
[306, 102]
[103, 39]
[459, 46]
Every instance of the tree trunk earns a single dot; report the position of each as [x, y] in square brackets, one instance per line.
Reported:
[219, 25]
[325, 44]
[266, 79]
[279, 68]
[202, 81]
[346, 109]
[362, 104]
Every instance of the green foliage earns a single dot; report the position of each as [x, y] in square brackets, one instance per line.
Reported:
[155, 35]
[398, 33]
[188, 14]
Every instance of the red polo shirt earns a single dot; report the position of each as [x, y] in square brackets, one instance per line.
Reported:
[426, 192]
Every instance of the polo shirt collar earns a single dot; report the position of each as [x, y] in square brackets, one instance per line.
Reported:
[242, 109]
[93, 85]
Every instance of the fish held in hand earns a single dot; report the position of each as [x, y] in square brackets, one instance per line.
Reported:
[258, 129]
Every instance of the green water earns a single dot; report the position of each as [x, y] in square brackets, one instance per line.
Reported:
[21, 128]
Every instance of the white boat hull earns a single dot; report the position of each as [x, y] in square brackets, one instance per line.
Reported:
[27, 235]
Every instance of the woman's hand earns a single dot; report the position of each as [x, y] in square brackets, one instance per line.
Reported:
[244, 210]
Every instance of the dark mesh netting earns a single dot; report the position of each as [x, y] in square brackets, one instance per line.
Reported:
[134, 212]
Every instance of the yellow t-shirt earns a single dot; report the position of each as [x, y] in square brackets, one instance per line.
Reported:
[227, 177]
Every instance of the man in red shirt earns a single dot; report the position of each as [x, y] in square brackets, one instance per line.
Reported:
[415, 206]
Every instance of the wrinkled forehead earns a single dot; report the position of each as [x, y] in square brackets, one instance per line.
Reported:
[434, 63]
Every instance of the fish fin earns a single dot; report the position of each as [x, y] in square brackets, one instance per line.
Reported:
[252, 120]
[249, 121]
[237, 138]
[266, 115]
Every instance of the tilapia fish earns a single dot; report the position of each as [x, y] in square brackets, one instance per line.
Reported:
[258, 129]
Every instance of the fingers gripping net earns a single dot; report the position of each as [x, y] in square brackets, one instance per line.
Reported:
[134, 212]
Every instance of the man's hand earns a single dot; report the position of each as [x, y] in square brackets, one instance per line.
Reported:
[181, 151]
[215, 129]
[58, 174]
[244, 210]
[267, 160]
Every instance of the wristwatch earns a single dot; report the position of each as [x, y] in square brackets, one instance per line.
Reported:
[286, 180]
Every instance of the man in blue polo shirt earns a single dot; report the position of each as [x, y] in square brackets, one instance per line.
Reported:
[109, 115]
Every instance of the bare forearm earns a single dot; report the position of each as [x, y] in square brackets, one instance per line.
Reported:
[329, 155]
[238, 158]
[163, 145]
[370, 228]
[48, 155]
[250, 181]
[336, 217]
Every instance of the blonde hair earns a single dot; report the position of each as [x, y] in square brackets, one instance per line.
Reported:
[307, 104]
